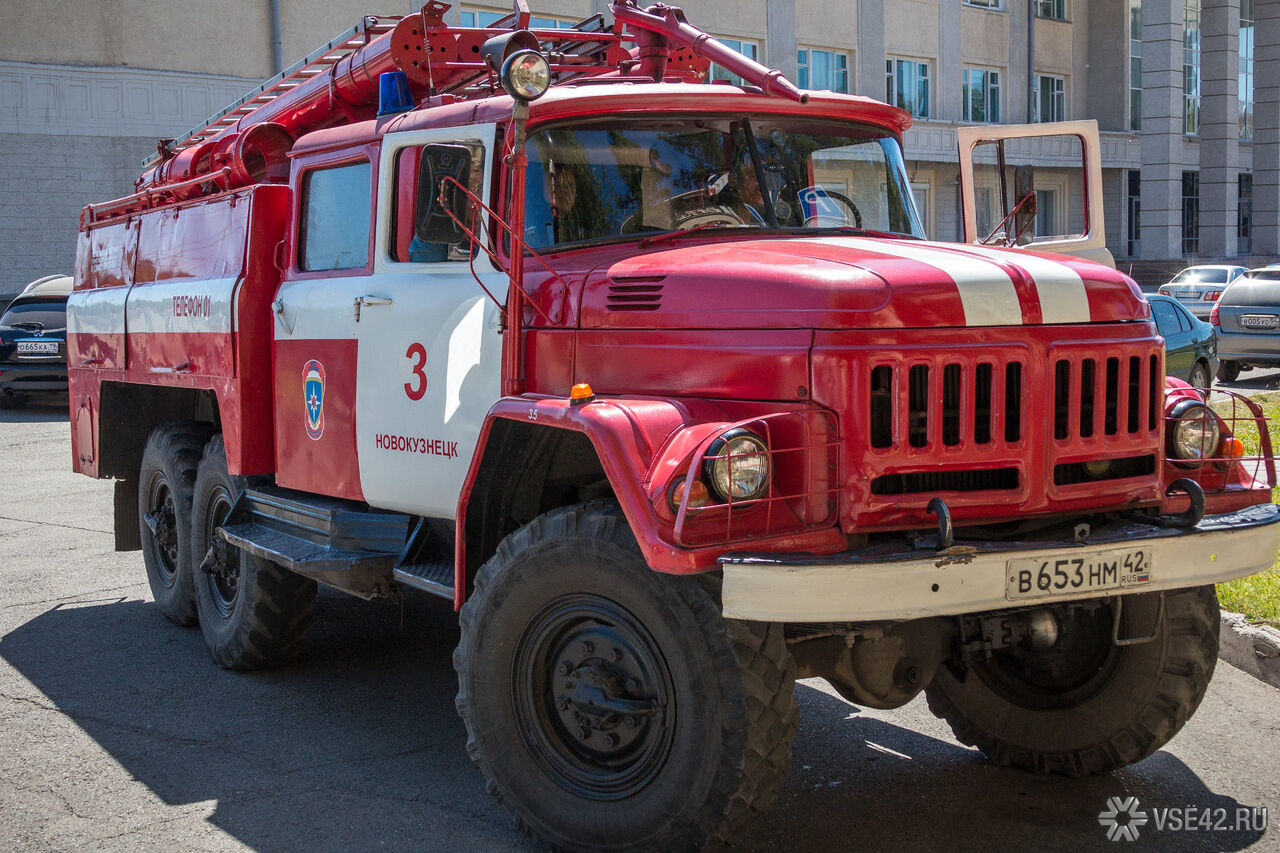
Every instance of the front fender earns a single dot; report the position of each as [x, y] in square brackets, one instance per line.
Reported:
[644, 442]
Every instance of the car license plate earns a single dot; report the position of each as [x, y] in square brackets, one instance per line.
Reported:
[1087, 571]
[1187, 294]
[37, 347]
[1260, 321]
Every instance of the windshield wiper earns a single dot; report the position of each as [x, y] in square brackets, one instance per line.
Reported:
[671, 235]
[28, 324]
[853, 229]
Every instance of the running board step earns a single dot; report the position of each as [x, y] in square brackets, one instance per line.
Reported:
[337, 542]
[435, 578]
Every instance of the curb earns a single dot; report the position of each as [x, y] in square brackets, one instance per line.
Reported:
[1253, 648]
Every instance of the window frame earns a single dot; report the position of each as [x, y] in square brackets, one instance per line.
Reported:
[804, 67]
[985, 5]
[891, 80]
[320, 162]
[987, 86]
[729, 42]
[1057, 78]
[1058, 13]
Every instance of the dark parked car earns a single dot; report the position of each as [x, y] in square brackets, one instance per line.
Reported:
[1190, 345]
[1248, 320]
[33, 342]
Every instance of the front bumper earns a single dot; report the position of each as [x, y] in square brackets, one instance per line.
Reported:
[971, 577]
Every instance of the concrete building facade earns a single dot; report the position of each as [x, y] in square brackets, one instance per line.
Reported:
[1186, 92]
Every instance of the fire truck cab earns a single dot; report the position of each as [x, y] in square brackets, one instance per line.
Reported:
[663, 386]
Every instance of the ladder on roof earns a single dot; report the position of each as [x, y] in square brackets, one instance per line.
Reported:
[315, 63]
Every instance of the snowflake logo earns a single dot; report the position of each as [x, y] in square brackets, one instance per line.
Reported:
[1122, 818]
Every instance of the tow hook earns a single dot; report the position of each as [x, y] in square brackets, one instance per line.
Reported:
[938, 507]
[1190, 517]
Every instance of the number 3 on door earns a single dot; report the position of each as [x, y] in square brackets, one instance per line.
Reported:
[418, 386]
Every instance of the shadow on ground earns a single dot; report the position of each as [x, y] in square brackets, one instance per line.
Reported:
[358, 747]
[42, 411]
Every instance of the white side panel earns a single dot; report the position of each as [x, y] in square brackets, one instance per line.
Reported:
[182, 306]
[97, 312]
[414, 453]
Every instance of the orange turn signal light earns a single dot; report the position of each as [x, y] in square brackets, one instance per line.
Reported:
[698, 494]
[581, 393]
[1232, 447]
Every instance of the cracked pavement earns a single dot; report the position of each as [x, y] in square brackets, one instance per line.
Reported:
[118, 733]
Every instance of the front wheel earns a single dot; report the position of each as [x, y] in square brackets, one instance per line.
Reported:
[1199, 377]
[1086, 705]
[253, 613]
[611, 707]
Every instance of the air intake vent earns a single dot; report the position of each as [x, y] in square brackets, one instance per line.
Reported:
[974, 480]
[636, 294]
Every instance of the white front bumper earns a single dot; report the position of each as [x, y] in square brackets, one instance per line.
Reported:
[972, 579]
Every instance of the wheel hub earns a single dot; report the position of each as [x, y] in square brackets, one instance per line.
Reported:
[594, 696]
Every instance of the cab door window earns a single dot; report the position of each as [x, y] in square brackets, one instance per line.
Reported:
[333, 232]
[423, 231]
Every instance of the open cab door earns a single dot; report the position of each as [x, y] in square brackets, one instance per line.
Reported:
[1034, 186]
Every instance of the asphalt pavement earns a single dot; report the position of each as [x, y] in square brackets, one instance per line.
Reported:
[118, 733]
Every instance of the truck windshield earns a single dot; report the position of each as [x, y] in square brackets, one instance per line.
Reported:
[622, 179]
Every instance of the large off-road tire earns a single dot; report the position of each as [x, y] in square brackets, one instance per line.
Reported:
[1228, 371]
[253, 613]
[166, 480]
[690, 732]
[1107, 706]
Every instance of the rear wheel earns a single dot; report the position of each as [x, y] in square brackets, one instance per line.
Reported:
[1228, 371]
[1087, 705]
[253, 613]
[1199, 377]
[166, 480]
[611, 707]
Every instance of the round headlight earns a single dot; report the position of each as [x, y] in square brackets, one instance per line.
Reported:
[736, 466]
[1194, 435]
[526, 75]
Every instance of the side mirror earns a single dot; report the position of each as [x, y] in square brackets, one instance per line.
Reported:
[432, 222]
[1024, 201]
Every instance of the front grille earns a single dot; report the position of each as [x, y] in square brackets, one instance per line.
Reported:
[1071, 473]
[972, 480]
[1126, 399]
[951, 403]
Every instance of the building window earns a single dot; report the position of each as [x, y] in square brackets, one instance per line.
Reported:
[1051, 98]
[907, 85]
[749, 49]
[985, 4]
[485, 18]
[1135, 64]
[1046, 213]
[1246, 69]
[1055, 9]
[1190, 213]
[1244, 216]
[823, 69]
[981, 95]
[1134, 212]
[1191, 67]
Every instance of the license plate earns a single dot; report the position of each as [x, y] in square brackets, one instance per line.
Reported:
[1087, 571]
[1260, 321]
[37, 347]
[1187, 294]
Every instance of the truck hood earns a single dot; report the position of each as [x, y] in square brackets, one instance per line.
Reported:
[845, 282]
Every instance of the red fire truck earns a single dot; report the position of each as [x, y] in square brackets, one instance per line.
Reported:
[660, 383]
